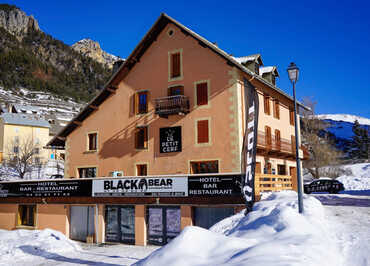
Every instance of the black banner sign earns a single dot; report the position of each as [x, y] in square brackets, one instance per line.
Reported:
[67, 188]
[250, 143]
[170, 139]
[214, 185]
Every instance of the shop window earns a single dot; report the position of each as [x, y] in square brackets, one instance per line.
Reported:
[204, 167]
[176, 90]
[92, 141]
[276, 109]
[175, 65]
[141, 102]
[266, 101]
[291, 116]
[141, 170]
[87, 172]
[26, 215]
[203, 131]
[141, 138]
[202, 93]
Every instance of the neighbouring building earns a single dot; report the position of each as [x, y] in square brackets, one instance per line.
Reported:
[174, 112]
[19, 128]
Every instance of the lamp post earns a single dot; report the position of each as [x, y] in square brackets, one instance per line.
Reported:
[293, 72]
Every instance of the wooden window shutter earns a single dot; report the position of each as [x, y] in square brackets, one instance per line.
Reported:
[136, 103]
[203, 134]
[145, 132]
[267, 104]
[202, 93]
[268, 135]
[277, 139]
[276, 109]
[291, 116]
[292, 137]
[175, 67]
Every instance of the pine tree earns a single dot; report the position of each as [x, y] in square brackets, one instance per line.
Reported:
[360, 142]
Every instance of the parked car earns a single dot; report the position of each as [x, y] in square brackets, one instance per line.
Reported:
[323, 185]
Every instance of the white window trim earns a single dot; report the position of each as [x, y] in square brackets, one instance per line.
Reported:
[181, 65]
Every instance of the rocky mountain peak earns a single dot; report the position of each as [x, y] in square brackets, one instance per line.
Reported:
[92, 49]
[16, 21]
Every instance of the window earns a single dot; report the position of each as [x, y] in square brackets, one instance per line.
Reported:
[36, 150]
[204, 167]
[26, 215]
[87, 172]
[203, 131]
[277, 139]
[276, 109]
[141, 138]
[141, 169]
[291, 116]
[176, 90]
[202, 93]
[15, 149]
[37, 160]
[93, 141]
[281, 169]
[175, 65]
[141, 102]
[268, 135]
[266, 100]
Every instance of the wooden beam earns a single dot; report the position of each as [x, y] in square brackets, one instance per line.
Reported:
[111, 90]
[78, 123]
[252, 78]
[93, 107]
[61, 138]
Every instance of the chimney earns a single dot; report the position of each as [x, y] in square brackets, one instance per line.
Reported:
[117, 64]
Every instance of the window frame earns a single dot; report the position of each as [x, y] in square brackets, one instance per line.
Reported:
[87, 167]
[20, 213]
[170, 63]
[138, 110]
[139, 165]
[266, 104]
[208, 104]
[191, 163]
[88, 134]
[209, 143]
[145, 145]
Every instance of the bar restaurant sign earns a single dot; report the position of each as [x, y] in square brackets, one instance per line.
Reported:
[70, 188]
[170, 139]
[141, 187]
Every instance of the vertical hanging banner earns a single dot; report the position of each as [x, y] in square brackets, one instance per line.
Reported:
[250, 143]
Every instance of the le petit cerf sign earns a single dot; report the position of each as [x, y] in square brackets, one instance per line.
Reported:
[170, 139]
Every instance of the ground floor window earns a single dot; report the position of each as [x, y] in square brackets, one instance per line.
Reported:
[87, 172]
[141, 169]
[26, 215]
[204, 167]
[281, 169]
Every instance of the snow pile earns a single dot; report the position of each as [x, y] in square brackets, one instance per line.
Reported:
[23, 244]
[359, 179]
[345, 118]
[273, 234]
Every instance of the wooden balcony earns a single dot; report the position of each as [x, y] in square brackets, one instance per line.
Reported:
[172, 105]
[270, 183]
[273, 146]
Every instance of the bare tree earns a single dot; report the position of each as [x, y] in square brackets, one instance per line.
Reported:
[322, 150]
[21, 155]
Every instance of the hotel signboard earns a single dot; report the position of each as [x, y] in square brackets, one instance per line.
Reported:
[141, 187]
[215, 185]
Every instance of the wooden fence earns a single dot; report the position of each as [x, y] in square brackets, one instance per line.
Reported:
[270, 183]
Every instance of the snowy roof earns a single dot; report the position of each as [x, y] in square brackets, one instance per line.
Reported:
[24, 120]
[26, 108]
[269, 69]
[248, 58]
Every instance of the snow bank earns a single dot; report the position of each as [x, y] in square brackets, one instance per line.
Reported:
[273, 234]
[23, 244]
[359, 179]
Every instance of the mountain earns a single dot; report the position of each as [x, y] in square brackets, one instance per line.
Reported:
[92, 49]
[339, 128]
[34, 60]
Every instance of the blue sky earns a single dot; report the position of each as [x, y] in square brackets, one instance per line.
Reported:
[328, 40]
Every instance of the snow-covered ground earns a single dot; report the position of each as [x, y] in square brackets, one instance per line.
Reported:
[359, 179]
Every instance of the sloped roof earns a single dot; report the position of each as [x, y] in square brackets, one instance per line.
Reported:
[248, 58]
[124, 69]
[24, 120]
[269, 69]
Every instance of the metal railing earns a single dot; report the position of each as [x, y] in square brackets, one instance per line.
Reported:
[178, 104]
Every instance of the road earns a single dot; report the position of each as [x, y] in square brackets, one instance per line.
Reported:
[343, 200]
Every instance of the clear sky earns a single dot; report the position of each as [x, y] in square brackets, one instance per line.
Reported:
[328, 40]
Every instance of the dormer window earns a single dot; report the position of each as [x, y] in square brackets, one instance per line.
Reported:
[257, 68]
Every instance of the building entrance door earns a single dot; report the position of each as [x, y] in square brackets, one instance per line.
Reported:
[82, 222]
[164, 224]
[120, 224]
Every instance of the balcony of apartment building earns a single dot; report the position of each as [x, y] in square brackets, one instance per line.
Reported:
[176, 103]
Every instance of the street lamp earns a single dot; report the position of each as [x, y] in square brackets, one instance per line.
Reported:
[293, 72]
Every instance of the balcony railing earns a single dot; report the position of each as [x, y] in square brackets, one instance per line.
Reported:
[271, 143]
[171, 105]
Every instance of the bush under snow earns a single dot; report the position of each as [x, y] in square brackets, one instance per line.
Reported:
[274, 233]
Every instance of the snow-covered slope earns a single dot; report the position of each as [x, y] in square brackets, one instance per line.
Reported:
[345, 118]
[359, 179]
[273, 234]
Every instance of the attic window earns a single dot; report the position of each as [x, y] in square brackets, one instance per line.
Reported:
[170, 32]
